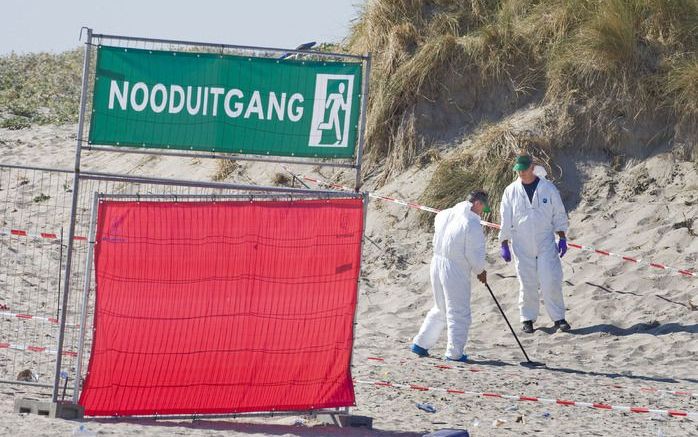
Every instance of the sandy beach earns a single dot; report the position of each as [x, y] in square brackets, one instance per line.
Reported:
[634, 328]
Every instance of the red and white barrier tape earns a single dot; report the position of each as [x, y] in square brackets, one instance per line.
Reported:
[38, 235]
[29, 317]
[39, 349]
[473, 369]
[51, 320]
[669, 392]
[469, 368]
[637, 261]
[562, 402]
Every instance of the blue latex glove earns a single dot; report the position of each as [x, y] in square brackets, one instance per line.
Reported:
[562, 247]
[506, 253]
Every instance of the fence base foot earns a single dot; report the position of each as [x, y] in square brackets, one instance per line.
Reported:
[348, 421]
[57, 410]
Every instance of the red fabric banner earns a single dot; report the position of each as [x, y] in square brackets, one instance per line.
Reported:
[223, 307]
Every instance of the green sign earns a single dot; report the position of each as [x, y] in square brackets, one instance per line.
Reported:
[223, 103]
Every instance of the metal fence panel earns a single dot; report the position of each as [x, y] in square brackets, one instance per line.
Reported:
[40, 239]
[35, 207]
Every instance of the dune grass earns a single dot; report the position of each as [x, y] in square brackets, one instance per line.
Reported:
[612, 58]
[615, 59]
[682, 88]
[224, 169]
[486, 163]
[40, 88]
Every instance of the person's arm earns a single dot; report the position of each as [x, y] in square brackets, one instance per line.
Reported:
[475, 251]
[560, 221]
[505, 212]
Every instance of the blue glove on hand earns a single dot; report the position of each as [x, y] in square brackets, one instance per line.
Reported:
[562, 247]
[506, 254]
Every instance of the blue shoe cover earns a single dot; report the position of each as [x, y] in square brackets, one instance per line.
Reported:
[419, 350]
[463, 359]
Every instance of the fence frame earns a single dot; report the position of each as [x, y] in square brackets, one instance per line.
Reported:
[73, 214]
[77, 381]
[81, 144]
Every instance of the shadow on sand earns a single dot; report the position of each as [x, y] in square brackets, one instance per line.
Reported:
[551, 367]
[654, 328]
[261, 428]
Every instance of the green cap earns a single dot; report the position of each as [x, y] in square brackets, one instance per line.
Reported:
[523, 162]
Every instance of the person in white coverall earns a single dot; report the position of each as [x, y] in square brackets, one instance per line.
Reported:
[532, 213]
[459, 249]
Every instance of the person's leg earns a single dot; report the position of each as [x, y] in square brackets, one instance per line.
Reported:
[550, 275]
[527, 272]
[456, 284]
[436, 317]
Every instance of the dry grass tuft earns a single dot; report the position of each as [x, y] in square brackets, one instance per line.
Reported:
[281, 180]
[224, 169]
[485, 164]
[682, 88]
[391, 118]
[673, 23]
[600, 57]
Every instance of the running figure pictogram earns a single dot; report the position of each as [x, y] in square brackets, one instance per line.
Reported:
[337, 102]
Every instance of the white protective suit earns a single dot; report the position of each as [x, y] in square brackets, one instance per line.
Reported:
[530, 226]
[459, 249]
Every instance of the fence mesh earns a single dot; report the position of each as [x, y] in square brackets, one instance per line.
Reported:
[34, 213]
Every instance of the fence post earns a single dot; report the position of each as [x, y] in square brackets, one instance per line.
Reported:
[85, 295]
[362, 123]
[73, 216]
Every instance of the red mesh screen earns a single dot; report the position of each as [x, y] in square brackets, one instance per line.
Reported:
[223, 307]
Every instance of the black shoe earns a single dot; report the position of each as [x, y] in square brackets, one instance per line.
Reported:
[527, 327]
[562, 325]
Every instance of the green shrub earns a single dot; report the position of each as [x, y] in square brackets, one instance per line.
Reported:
[15, 123]
[45, 88]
